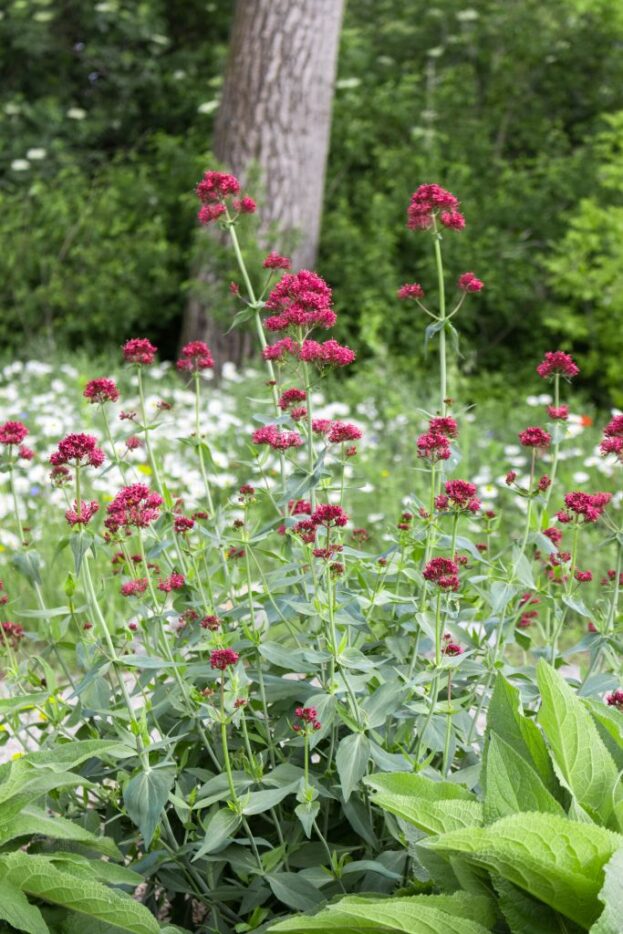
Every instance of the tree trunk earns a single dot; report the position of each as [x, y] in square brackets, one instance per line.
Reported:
[275, 116]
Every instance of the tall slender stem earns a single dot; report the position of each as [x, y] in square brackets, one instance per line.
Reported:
[443, 375]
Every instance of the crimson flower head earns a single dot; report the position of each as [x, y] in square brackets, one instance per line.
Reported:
[140, 351]
[329, 515]
[454, 220]
[535, 438]
[443, 572]
[183, 524]
[12, 433]
[341, 432]
[614, 428]
[587, 506]
[82, 513]
[12, 633]
[216, 186]
[433, 446]
[135, 506]
[462, 495]
[558, 363]
[195, 356]
[291, 397]
[245, 205]
[615, 699]
[449, 647]
[469, 283]
[558, 413]
[172, 582]
[430, 201]
[612, 442]
[134, 587]
[277, 439]
[444, 425]
[101, 390]
[276, 261]
[300, 300]
[410, 290]
[221, 659]
[210, 212]
[308, 719]
[78, 450]
[329, 353]
[25, 453]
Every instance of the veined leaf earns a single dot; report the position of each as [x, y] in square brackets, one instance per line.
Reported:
[505, 718]
[17, 911]
[352, 761]
[420, 914]
[524, 915]
[434, 807]
[36, 876]
[35, 821]
[611, 895]
[584, 763]
[260, 801]
[557, 860]
[512, 785]
[145, 796]
[295, 891]
[220, 827]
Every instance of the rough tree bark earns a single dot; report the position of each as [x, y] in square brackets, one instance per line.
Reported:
[275, 115]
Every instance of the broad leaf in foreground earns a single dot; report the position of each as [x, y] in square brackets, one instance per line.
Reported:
[434, 807]
[420, 914]
[558, 861]
[583, 762]
[513, 785]
[611, 919]
[37, 877]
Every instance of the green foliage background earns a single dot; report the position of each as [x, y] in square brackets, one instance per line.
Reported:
[517, 107]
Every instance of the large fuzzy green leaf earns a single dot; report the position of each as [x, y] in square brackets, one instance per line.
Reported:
[434, 807]
[611, 919]
[524, 915]
[557, 860]
[36, 876]
[35, 821]
[583, 762]
[512, 785]
[505, 718]
[420, 914]
[16, 910]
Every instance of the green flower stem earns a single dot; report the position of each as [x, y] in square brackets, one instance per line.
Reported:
[306, 756]
[530, 502]
[554, 470]
[150, 454]
[614, 605]
[310, 434]
[259, 329]
[202, 467]
[256, 639]
[225, 747]
[443, 376]
[446, 749]
[117, 461]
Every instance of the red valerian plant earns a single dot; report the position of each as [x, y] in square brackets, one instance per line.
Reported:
[248, 658]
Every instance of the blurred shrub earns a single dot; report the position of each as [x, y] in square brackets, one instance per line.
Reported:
[586, 269]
